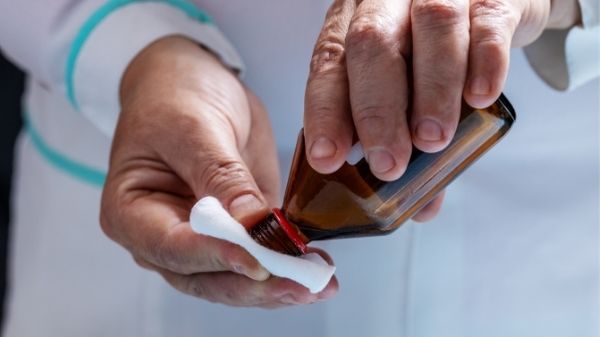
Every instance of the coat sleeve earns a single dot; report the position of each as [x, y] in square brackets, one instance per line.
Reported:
[568, 58]
[80, 49]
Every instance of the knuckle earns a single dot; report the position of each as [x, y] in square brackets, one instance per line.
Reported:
[234, 296]
[197, 289]
[225, 175]
[492, 40]
[368, 32]
[373, 116]
[328, 56]
[492, 21]
[488, 8]
[436, 13]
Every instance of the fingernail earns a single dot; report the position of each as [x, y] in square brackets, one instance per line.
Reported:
[322, 148]
[244, 205]
[259, 274]
[380, 160]
[429, 130]
[480, 86]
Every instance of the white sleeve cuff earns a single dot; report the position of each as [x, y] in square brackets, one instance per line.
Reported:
[590, 13]
[117, 39]
[566, 59]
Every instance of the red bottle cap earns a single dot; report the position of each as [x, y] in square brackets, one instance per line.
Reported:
[290, 231]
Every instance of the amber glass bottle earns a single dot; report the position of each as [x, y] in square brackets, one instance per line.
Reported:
[353, 202]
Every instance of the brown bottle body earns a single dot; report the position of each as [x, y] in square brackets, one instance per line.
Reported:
[353, 202]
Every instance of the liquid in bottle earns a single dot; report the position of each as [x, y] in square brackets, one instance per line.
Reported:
[352, 202]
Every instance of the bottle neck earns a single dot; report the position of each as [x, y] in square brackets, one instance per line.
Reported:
[276, 233]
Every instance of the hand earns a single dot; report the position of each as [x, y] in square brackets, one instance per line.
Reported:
[373, 57]
[395, 72]
[188, 128]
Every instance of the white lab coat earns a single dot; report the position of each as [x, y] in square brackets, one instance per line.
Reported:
[513, 253]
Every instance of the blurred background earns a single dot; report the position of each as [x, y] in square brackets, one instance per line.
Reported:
[11, 88]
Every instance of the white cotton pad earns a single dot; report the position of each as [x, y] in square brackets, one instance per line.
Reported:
[311, 270]
[356, 154]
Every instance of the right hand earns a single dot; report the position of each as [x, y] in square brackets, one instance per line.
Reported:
[393, 73]
[188, 129]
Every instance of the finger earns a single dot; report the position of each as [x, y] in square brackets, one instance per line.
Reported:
[377, 72]
[260, 153]
[492, 28]
[209, 160]
[323, 254]
[236, 290]
[430, 210]
[212, 126]
[328, 125]
[440, 31]
[181, 250]
[184, 251]
[333, 287]
[330, 290]
[154, 227]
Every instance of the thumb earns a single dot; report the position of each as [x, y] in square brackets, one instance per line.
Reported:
[216, 168]
[248, 209]
[226, 177]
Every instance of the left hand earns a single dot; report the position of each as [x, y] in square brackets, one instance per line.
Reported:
[189, 128]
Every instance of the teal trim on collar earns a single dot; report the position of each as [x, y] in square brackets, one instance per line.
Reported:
[80, 171]
[99, 15]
